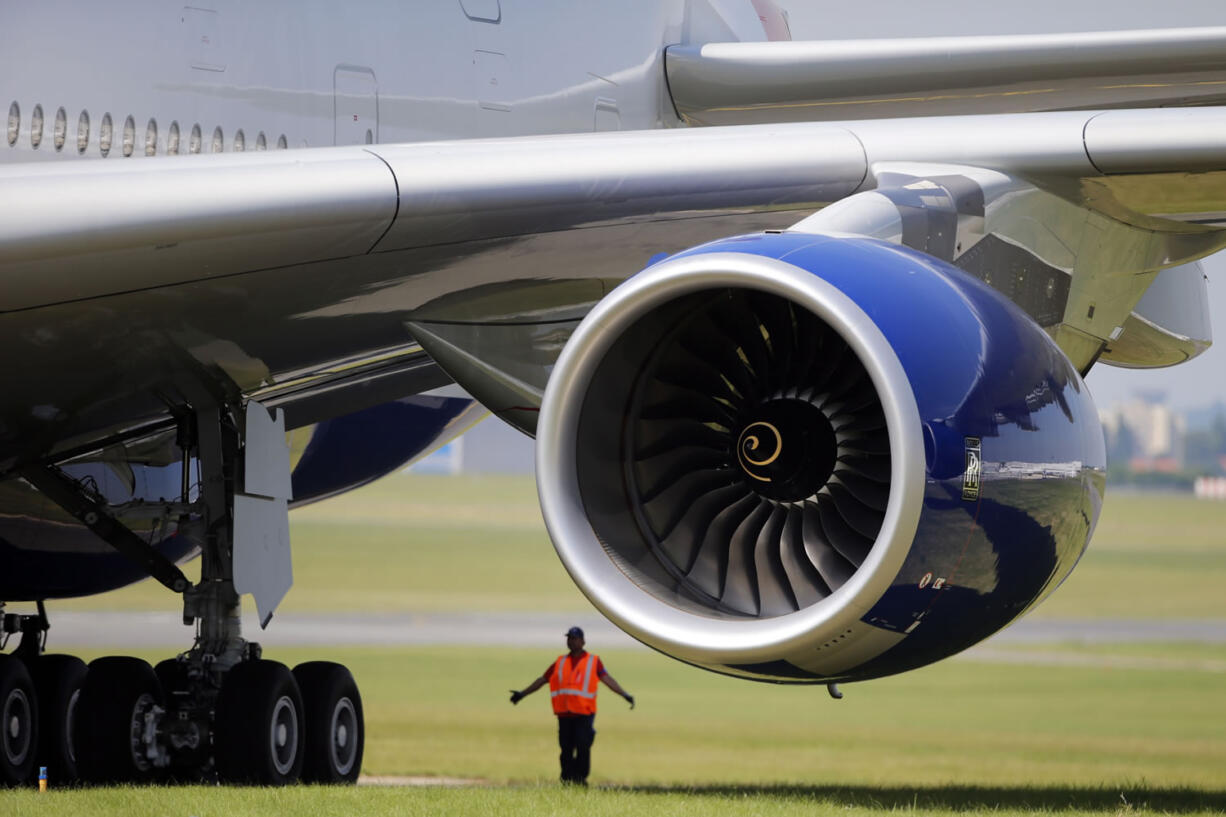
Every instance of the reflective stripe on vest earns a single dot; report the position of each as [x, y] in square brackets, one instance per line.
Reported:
[569, 694]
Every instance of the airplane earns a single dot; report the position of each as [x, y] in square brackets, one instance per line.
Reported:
[800, 327]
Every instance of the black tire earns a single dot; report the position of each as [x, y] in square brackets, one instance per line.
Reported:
[335, 729]
[172, 674]
[258, 726]
[58, 680]
[18, 722]
[117, 693]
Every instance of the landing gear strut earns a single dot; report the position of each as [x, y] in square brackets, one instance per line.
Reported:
[219, 710]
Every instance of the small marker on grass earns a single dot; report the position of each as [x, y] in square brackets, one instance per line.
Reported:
[42, 778]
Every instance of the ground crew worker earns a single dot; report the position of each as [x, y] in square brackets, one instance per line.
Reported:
[572, 683]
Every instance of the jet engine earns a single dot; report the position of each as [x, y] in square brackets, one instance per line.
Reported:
[805, 458]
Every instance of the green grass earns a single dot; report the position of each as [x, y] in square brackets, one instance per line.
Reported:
[548, 801]
[415, 543]
[1152, 556]
[960, 737]
[444, 712]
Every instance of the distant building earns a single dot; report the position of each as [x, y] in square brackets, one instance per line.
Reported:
[1146, 433]
[1210, 488]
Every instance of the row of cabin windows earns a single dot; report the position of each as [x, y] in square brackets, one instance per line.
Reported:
[127, 137]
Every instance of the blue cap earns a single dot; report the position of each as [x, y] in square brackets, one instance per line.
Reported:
[574, 632]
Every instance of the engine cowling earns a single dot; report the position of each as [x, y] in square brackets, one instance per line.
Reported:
[800, 458]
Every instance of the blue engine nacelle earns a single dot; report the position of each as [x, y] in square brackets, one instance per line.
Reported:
[802, 458]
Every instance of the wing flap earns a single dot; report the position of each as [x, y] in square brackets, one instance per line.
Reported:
[754, 82]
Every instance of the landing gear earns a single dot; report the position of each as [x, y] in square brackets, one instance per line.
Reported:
[117, 716]
[18, 722]
[334, 738]
[57, 682]
[260, 734]
[218, 711]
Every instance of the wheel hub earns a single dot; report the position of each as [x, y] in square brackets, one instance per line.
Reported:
[17, 714]
[139, 743]
[284, 735]
[344, 724]
[70, 724]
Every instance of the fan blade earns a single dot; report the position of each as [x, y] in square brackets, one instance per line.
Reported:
[806, 583]
[832, 567]
[664, 509]
[740, 590]
[710, 562]
[873, 494]
[681, 544]
[876, 468]
[655, 437]
[774, 589]
[842, 537]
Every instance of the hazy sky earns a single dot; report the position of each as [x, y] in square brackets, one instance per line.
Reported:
[1195, 383]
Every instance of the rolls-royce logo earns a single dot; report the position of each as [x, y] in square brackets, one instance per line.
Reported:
[974, 468]
[759, 446]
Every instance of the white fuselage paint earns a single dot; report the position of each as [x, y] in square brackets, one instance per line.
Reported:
[315, 73]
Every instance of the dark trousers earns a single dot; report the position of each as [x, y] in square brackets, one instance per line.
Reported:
[575, 736]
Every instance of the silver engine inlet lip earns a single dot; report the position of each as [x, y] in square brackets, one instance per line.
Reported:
[682, 633]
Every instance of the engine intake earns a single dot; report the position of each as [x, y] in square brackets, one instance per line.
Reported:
[754, 464]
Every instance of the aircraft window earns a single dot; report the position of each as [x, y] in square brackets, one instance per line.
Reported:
[129, 136]
[82, 132]
[60, 132]
[260, 142]
[151, 138]
[281, 143]
[172, 139]
[14, 122]
[193, 146]
[105, 134]
[219, 140]
[36, 126]
[240, 141]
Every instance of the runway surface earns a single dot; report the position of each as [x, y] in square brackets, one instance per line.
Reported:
[144, 630]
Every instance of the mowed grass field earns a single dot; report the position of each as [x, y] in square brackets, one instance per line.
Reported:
[1132, 728]
[419, 543]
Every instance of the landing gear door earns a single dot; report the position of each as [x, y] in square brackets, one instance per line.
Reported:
[355, 103]
[262, 562]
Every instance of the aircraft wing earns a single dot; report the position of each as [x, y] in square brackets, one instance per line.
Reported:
[746, 82]
[362, 240]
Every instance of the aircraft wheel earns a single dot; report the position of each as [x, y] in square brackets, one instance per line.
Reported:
[335, 731]
[172, 676]
[58, 679]
[117, 695]
[18, 722]
[259, 725]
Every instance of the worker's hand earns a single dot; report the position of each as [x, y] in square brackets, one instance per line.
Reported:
[516, 696]
[629, 699]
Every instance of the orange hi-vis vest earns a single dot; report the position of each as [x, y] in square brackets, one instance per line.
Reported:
[573, 691]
